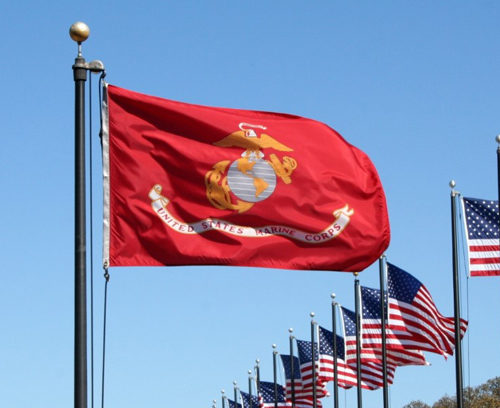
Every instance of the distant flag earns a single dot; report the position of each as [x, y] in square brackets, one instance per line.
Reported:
[371, 368]
[305, 358]
[266, 396]
[346, 374]
[482, 236]
[195, 185]
[411, 308]
[297, 379]
[402, 347]
[233, 404]
[249, 401]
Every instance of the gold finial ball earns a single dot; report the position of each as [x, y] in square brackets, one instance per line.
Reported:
[79, 31]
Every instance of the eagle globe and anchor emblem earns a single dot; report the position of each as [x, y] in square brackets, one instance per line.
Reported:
[250, 178]
[238, 185]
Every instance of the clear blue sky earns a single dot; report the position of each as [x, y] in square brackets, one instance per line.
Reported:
[413, 84]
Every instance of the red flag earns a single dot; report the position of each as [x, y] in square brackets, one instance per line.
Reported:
[196, 185]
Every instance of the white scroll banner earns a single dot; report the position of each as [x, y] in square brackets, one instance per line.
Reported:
[159, 204]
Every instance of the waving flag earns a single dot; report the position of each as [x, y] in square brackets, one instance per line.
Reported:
[249, 401]
[402, 348]
[346, 375]
[372, 376]
[266, 396]
[195, 185]
[411, 308]
[482, 235]
[306, 369]
[289, 374]
[233, 404]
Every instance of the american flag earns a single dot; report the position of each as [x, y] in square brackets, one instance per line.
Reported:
[346, 374]
[411, 308]
[249, 401]
[326, 367]
[401, 346]
[306, 367]
[482, 235]
[266, 396]
[233, 404]
[371, 369]
[297, 379]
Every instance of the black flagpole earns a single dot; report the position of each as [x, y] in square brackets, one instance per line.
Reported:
[335, 353]
[456, 297]
[257, 375]
[498, 174]
[313, 362]
[223, 399]
[358, 339]
[292, 366]
[275, 379]
[383, 308]
[235, 388]
[79, 32]
[250, 388]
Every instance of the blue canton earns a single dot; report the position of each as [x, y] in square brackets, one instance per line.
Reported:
[401, 285]
[481, 218]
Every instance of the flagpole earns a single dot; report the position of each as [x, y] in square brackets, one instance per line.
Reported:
[358, 339]
[335, 371]
[292, 368]
[381, 263]
[275, 379]
[223, 399]
[79, 32]
[313, 362]
[235, 388]
[250, 388]
[498, 173]
[257, 375]
[456, 298]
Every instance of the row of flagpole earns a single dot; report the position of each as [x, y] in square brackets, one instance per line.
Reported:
[385, 292]
[314, 349]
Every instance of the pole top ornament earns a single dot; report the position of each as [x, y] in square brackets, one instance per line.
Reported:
[79, 32]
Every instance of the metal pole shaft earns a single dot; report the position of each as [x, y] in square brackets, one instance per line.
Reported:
[382, 328]
[358, 342]
[456, 304]
[292, 369]
[275, 379]
[250, 391]
[498, 177]
[80, 76]
[257, 375]
[335, 354]
[313, 362]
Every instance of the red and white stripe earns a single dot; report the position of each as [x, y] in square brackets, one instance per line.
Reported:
[422, 319]
[484, 257]
[401, 346]
[371, 372]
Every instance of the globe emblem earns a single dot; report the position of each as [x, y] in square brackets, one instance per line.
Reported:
[254, 184]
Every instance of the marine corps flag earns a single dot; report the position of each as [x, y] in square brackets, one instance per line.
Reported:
[196, 185]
